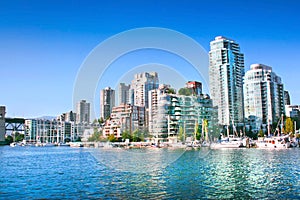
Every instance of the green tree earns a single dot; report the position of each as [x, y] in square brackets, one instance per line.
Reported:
[251, 134]
[126, 135]
[185, 91]
[101, 120]
[96, 137]
[171, 91]
[137, 136]
[9, 139]
[112, 138]
[289, 126]
[181, 134]
[261, 133]
[19, 137]
[197, 131]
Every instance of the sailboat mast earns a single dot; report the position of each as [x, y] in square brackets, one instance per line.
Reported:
[203, 127]
[268, 127]
[281, 123]
[228, 131]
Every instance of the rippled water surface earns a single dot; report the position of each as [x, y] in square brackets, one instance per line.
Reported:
[82, 173]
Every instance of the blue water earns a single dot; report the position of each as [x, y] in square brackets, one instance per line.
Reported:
[82, 173]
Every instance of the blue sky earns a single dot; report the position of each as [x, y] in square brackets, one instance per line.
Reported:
[43, 43]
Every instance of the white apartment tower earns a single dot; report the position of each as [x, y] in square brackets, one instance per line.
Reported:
[83, 112]
[226, 71]
[107, 102]
[141, 85]
[124, 93]
[263, 96]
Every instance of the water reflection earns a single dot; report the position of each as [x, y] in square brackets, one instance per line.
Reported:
[137, 160]
[66, 173]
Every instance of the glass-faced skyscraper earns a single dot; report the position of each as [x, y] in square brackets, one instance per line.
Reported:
[264, 96]
[226, 71]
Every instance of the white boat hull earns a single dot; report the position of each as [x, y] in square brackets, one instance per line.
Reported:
[228, 142]
[225, 145]
[264, 145]
[13, 144]
[76, 144]
[273, 143]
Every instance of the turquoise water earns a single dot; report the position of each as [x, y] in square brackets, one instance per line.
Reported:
[82, 173]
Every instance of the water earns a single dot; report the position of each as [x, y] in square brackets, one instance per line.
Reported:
[81, 173]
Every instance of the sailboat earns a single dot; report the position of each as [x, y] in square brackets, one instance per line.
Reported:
[231, 141]
[275, 142]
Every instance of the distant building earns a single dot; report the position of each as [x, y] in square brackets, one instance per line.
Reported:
[124, 117]
[226, 71]
[195, 86]
[141, 85]
[292, 111]
[287, 99]
[159, 100]
[124, 93]
[263, 96]
[83, 112]
[67, 117]
[53, 131]
[2, 123]
[31, 130]
[70, 116]
[107, 102]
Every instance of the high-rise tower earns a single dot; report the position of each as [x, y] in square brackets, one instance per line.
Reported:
[141, 85]
[264, 96]
[226, 71]
[83, 112]
[124, 93]
[107, 102]
[287, 98]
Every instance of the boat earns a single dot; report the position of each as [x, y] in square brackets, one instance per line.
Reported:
[231, 141]
[279, 142]
[274, 142]
[228, 142]
[38, 144]
[48, 144]
[205, 144]
[76, 144]
[13, 144]
[193, 145]
[63, 144]
[294, 143]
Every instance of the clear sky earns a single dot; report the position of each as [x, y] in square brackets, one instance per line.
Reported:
[43, 43]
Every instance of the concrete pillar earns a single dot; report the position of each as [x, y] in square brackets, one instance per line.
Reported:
[2, 124]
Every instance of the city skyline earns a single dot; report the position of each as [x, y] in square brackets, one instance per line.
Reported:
[43, 46]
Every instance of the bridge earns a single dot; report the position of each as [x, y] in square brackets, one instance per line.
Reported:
[15, 125]
[8, 126]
